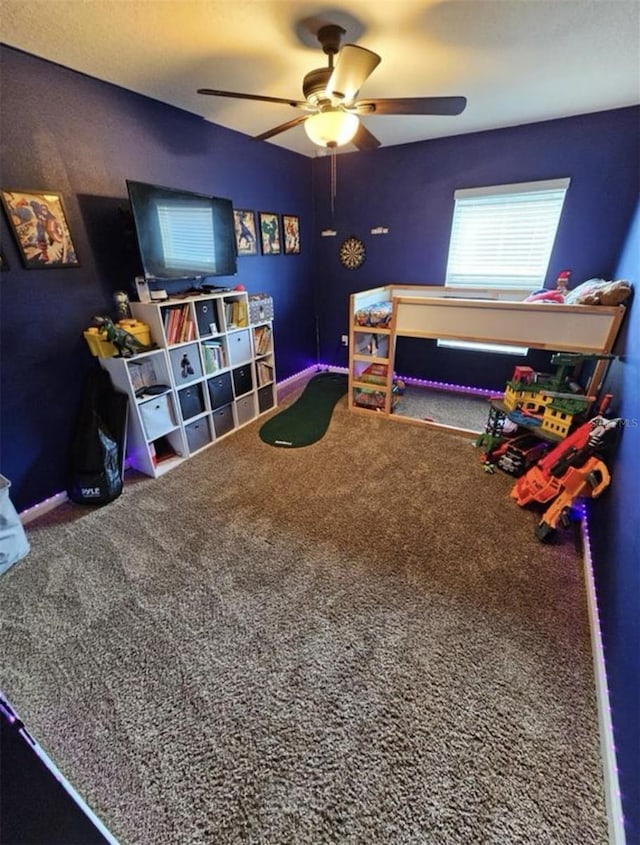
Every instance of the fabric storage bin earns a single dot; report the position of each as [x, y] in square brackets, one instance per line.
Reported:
[243, 380]
[13, 541]
[207, 317]
[245, 409]
[191, 401]
[223, 420]
[220, 391]
[265, 399]
[185, 363]
[239, 347]
[198, 434]
[157, 416]
[260, 308]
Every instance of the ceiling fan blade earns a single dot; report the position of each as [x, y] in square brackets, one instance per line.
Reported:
[413, 105]
[365, 140]
[298, 104]
[282, 128]
[353, 67]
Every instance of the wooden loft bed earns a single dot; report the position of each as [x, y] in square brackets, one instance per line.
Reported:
[377, 317]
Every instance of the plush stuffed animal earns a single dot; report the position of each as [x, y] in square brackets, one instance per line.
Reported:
[599, 292]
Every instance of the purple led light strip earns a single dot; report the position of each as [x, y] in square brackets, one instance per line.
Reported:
[417, 382]
[453, 388]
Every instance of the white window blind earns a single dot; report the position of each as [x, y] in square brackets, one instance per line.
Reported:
[186, 234]
[502, 236]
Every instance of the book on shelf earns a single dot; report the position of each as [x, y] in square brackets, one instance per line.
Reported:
[135, 374]
[214, 356]
[169, 318]
[178, 325]
[172, 326]
[235, 314]
[185, 326]
[265, 373]
[179, 332]
[142, 373]
[262, 337]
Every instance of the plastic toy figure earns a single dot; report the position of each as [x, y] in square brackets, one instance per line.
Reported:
[571, 470]
[186, 368]
[125, 343]
[123, 309]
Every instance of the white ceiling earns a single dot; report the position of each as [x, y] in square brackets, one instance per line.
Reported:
[516, 61]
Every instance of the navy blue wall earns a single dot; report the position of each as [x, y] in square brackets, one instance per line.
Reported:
[410, 189]
[66, 132]
[616, 545]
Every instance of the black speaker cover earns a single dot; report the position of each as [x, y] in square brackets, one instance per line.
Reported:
[97, 450]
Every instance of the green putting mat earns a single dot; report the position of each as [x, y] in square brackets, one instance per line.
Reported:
[308, 418]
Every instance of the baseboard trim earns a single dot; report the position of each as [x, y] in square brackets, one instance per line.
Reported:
[284, 386]
[615, 818]
[28, 515]
[12, 721]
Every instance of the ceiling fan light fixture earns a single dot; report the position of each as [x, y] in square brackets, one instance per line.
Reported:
[332, 128]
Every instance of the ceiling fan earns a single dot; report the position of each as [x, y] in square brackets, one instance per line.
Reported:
[332, 112]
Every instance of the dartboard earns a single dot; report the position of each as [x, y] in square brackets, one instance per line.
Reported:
[352, 253]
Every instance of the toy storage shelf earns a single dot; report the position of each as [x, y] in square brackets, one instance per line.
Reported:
[485, 316]
[370, 370]
[218, 370]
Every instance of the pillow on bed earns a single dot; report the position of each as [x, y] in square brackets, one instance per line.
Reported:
[599, 292]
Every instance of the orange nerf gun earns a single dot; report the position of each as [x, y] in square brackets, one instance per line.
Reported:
[569, 471]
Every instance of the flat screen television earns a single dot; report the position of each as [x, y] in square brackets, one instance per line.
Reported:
[181, 234]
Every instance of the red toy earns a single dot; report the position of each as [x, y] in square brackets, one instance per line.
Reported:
[517, 454]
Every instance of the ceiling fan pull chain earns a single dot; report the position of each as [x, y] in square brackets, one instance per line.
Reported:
[333, 178]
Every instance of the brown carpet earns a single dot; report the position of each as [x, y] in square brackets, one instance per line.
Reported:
[357, 642]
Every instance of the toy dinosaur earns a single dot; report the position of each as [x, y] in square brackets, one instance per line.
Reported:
[126, 343]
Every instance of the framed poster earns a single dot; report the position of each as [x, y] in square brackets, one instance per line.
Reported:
[291, 234]
[269, 233]
[39, 224]
[244, 222]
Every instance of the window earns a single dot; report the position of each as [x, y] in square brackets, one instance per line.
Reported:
[502, 237]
